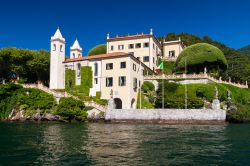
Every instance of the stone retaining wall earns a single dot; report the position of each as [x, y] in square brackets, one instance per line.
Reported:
[166, 114]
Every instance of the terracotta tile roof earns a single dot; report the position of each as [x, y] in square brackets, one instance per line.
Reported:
[130, 37]
[173, 43]
[100, 56]
[103, 56]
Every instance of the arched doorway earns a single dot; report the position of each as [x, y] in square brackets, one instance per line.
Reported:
[118, 103]
[133, 103]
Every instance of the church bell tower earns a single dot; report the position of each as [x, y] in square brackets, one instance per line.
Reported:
[57, 56]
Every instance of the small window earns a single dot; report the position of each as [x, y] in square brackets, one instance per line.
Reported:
[138, 45]
[109, 66]
[153, 46]
[146, 59]
[54, 47]
[111, 48]
[171, 54]
[120, 47]
[96, 80]
[123, 65]
[134, 67]
[79, 55]
[122, 81]
[145, 45]
[73, 55]
[154, 60]
[156, 50]
[130, 46]
[109, 81]
[78, 70]
[135, 83]
[95, 69]
[61, 47]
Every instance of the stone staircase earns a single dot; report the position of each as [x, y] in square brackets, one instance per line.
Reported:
[58, 95]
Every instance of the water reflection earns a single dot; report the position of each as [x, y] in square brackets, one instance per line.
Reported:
[123, 144]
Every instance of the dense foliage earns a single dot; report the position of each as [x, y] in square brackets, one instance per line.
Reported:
[245, 50]
[238, 64]
[148, 86]
[201, 55]
[99, 49]
[14, 96]
[27, 65]
[70, 109]
[175, 98]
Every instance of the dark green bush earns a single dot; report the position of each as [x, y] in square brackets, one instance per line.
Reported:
[148, 86]
[70, 109]
[201, 55]
[99, 49]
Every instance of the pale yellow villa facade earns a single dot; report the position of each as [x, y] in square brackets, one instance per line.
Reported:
[120, 71]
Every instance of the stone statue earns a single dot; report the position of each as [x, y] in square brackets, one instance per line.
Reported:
[216, 92]
[216, 101]
[111, 93]
[205, 70]
[111, 104]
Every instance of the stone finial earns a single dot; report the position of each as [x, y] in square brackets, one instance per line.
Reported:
[205, 70]
[229, 79]
[246, 83]
[220, 79]
[107, 35]
[216, 92]
[151, 31]
[179, 39]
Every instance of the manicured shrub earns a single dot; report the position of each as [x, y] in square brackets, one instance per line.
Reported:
[148, 86]
[70, 109]
[201, 55]
[99, 49]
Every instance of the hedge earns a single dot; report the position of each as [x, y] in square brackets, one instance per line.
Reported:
[99, 49]
[201, 55]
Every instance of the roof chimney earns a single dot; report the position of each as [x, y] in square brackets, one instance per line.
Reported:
[151, 31]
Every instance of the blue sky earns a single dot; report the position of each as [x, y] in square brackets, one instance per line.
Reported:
[31, 23]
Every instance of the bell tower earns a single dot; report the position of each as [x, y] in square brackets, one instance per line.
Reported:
[57, 56]
[75, 50]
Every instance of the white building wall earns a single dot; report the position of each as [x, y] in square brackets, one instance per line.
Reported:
[96, 87]
[138, 52]
[57, 72]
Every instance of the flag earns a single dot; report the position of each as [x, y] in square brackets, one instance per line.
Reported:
[160, 67]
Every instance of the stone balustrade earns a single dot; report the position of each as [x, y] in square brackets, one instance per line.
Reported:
[194, 76]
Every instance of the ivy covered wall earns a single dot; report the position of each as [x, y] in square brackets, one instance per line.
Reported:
[82, 90]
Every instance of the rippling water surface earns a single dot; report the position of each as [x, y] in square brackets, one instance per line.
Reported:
[123, 144]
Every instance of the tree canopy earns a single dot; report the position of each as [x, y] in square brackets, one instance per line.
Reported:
[27, 65]
[201, 55]
[99, 49]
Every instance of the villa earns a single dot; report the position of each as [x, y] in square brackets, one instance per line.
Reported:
[120, 71]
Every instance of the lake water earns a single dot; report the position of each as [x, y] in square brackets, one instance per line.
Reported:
[123, 144]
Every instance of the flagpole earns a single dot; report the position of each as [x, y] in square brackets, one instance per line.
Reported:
[162, 87]
[140, 84]
[162, 93]
[185, 83]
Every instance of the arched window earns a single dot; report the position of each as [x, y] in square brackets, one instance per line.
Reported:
[78, 70]
[79, 55]
[73, 55]
[54, 47]
[96, 69]
[61, 47]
